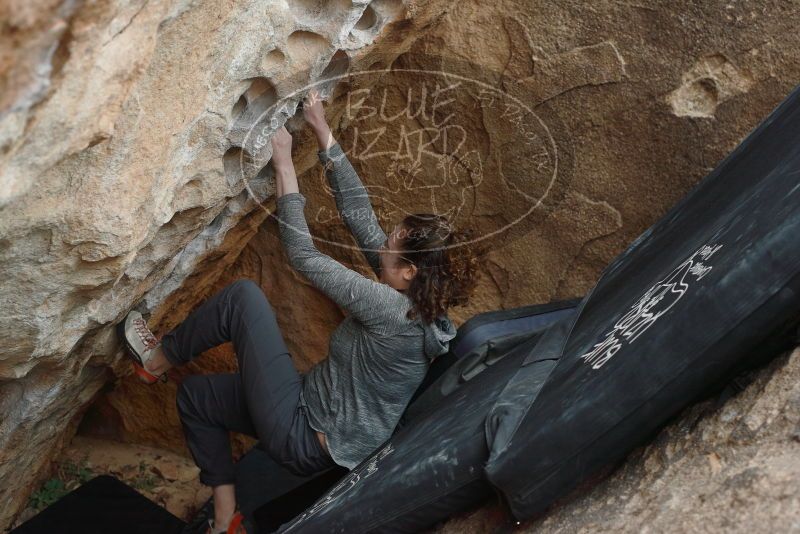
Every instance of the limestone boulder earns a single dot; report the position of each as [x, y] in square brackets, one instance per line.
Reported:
[123, 174]
[134, 150]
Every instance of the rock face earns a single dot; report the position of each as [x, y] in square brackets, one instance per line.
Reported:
[119, 125]
[132, 172]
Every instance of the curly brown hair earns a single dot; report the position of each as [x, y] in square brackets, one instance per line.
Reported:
[446, 264]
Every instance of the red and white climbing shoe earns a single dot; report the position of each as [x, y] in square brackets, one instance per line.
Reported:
[140, 344]
[236, 526]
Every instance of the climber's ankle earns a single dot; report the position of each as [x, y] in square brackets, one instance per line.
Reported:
[159, 363]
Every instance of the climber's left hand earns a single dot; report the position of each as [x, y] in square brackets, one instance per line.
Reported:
[282, 148]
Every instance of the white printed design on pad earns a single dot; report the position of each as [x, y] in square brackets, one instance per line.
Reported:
[344, 485]
[651, 306]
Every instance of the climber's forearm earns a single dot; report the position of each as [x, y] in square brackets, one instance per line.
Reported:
[285, 179]
[285, 176]
[323, 134]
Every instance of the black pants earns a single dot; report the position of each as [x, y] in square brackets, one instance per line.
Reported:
[261, 400]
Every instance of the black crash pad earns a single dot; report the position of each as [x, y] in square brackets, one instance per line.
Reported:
[671, 319]
[103, 505]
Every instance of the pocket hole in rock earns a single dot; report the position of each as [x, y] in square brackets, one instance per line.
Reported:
[272, 60]
[368, 19]
[315, 11]
[239, 107]
[260, 186]
[378, 66]
[237, 164]
[254, 102]
[334, 73]
[305, 47]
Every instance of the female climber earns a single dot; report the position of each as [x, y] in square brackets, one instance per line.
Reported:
[349, 404]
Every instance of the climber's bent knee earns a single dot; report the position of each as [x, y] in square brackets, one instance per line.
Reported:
[246, 286]
[250, 295]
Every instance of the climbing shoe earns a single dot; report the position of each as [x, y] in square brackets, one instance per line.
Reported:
[141, 345]
[236, 526]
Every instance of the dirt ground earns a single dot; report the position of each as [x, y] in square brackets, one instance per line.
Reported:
[166, 478]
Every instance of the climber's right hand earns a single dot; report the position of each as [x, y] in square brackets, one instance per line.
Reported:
[314, 115]
[313, 112]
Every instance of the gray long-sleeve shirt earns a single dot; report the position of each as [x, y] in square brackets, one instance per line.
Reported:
[376, 356]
